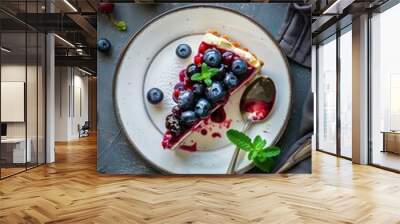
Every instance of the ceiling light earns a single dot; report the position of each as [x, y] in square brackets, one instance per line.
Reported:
[84, 71]
[64, 40]
[70, 5]
[338, 6]
[5, 50]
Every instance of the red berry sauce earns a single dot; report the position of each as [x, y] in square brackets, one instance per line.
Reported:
[182, 75]
[203, 47]
[218, 116]
[198, 59]
[168, 140]
[189, 148]
[257, 109]
[216, 135]
[175, 95]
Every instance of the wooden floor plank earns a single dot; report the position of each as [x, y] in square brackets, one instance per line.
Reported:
[71, 191]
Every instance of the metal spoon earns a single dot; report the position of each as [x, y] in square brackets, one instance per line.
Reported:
[255, 106]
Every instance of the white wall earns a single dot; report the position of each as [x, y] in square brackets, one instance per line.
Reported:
[16, 72]
[71, 102]
[9, 73]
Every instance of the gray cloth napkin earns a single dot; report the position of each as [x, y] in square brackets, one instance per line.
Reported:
[295, 34]
[306, 132]
[295, 40]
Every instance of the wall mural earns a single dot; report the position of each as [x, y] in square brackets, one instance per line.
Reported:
[204, 89]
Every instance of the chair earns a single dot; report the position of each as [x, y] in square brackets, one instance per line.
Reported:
[84, 129]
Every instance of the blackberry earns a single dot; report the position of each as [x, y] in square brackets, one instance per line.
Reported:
[176, 111]
[172, 124]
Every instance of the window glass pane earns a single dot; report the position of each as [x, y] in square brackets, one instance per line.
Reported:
[327, 97]
[345, 94]
[13, 88]
[385, 84]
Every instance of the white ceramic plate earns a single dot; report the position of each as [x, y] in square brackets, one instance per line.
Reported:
[149, 61]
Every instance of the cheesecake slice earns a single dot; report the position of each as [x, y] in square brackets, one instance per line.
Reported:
[219, 69]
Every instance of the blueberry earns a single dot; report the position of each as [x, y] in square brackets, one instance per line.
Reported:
[199, 89]
[231, 80]
[215, 92]
[103, 45]
[221, 73]
[239, 67]
[186, 100]
[227, 57]
[202, 108]
[179, 86]
[191, 70]
[212, 57]
[188, 117]
[183, 51]
[155, 95]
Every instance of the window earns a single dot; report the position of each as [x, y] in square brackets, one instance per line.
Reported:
[385, 89]
[346, 93]
[327, 96]
[22, 77]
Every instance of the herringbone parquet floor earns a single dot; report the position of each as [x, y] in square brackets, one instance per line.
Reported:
[70, 191]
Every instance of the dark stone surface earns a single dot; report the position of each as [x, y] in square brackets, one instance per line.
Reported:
[114, 153]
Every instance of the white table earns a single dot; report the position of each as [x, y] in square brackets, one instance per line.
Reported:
[18, 149]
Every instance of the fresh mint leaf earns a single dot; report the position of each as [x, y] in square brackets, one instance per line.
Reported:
[196, 77]
[272, 151]
[213, 71]
[208, 82]
[259, 143]
[204, 68]
[239, 139]
[252, 155]
[261, 157]
[121, 25]
[266, 165]
[205, 75]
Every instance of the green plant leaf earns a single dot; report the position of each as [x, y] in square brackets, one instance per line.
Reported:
[213, 71]
[196, 77]
[259, 143]
[266, 165]
[205, 75]
[272, 151]
[252, 155]
[239, 139]
[204, 68]
[262, 156]
[208, 82]
[121, 25]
